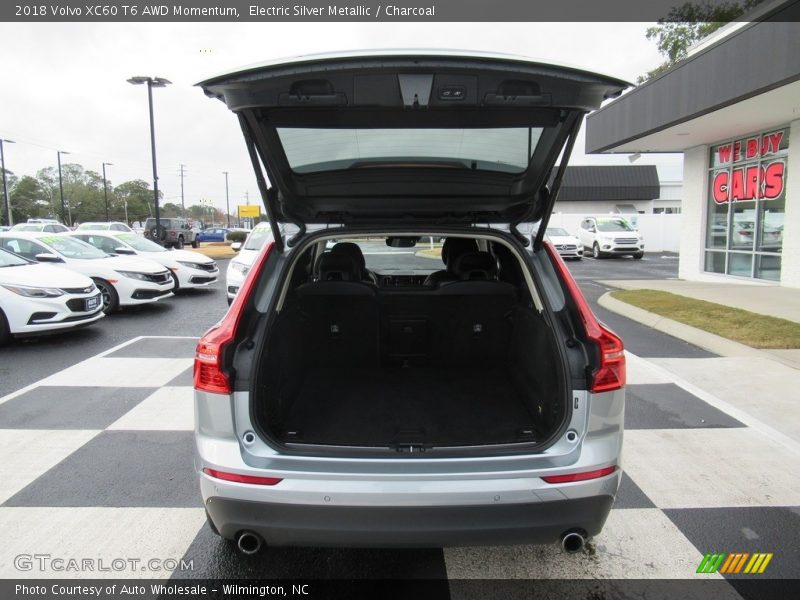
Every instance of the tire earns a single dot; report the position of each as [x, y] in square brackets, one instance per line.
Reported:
[596, 253]
[179, 243]
[5, 333]
[158, 234]
[638, 255]
[195, 243]
[108, 295]
[175, 279]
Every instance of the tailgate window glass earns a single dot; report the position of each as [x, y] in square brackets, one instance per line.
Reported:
[310, 150]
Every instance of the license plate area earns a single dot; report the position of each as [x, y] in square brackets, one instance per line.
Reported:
[92, 303]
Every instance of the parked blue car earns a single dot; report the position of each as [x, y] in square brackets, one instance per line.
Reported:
[213, 235]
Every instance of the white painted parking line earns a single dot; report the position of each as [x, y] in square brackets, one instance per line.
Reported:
[27, 388]
[640, 371]
[769, 390]
[166, 409]
[121, 372]
[28, 453]
[95, 534]
[670, 556]
[707, 468]
[737, 413]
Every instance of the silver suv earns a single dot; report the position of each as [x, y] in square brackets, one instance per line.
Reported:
[370, 388]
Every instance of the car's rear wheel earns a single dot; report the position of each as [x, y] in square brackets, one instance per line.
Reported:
[5, 332]
[596, 253]
[108, 295]
[179, 244]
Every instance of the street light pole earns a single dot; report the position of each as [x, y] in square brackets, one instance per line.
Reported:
[105, 187]
[5, 180]
[183, 203]
[227, 200]
[61, 186]
[151, 83]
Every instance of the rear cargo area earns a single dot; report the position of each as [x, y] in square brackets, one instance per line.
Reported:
[408, 406]
[466, 364]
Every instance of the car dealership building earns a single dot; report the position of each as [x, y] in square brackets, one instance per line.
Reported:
[732, 107]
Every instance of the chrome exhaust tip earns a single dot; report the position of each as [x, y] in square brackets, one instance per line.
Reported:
[249, 542]
[572, 542]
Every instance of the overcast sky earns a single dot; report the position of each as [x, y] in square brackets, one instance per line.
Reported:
[64, 88]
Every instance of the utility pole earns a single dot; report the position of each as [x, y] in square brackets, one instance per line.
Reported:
[183, 205]
[5, 181]
[61, 187]
[227, 200]
[105, 188]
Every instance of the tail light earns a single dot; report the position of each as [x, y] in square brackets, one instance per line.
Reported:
[584, 476]
[209, 375]
[236, 477]
[610, 375]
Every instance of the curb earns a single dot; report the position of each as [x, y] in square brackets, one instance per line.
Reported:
[702, 339]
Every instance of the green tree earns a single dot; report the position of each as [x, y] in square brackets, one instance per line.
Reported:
[27, 200]
[138, 196]
[686, 25]
[170, 209]
[48, 186]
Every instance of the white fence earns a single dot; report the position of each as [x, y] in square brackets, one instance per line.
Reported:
[661, 232]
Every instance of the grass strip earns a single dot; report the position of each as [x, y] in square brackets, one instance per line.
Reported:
[752, 329]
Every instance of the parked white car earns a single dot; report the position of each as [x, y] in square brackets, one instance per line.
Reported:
[240, 264]
[45, 226]
[610, 235]
[566, 244]
[37, 299]
[188, 269]
[104, 226]
[122, 281]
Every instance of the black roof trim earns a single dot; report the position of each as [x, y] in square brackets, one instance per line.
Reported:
[615, 182]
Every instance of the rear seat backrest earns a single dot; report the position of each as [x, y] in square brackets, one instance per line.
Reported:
[339, 315]
[476, 313]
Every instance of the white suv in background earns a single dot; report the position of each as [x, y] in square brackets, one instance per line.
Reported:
[606, 236]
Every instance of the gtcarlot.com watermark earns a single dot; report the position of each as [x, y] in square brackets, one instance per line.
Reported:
[59, 564]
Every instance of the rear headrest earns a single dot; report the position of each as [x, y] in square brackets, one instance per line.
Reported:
[350, 249]
[476, 266]
[337, 267]
[455, 247]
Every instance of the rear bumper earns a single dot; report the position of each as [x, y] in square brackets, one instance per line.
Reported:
[408, 526]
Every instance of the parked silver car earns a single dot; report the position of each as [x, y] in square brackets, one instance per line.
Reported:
[347, 400]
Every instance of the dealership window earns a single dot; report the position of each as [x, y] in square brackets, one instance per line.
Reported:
[746, 205]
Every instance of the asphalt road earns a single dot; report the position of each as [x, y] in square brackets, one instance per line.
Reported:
[639, 339]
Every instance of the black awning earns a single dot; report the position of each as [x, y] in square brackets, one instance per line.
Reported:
[617, 183]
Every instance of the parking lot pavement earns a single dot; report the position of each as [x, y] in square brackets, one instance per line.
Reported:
[97, 462]
[189, 313]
